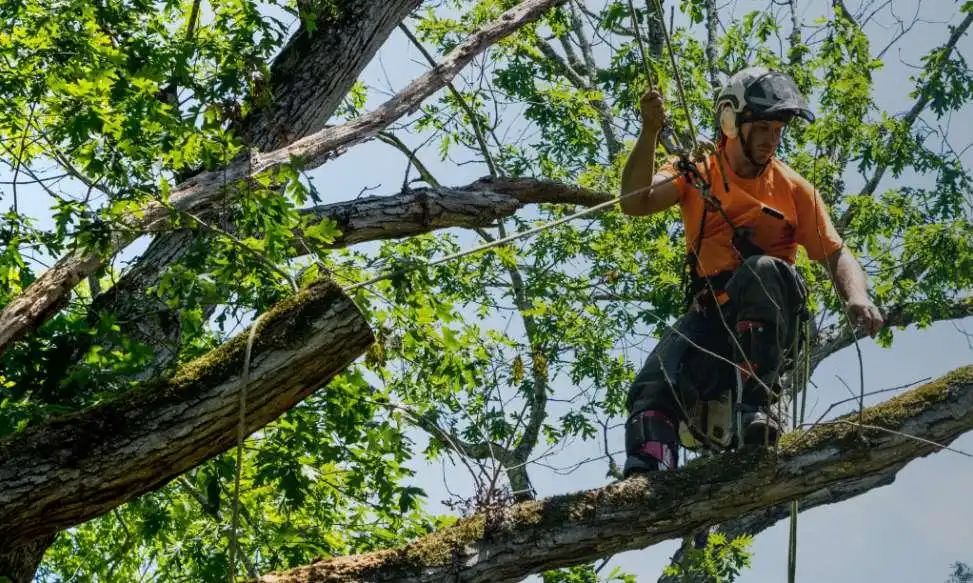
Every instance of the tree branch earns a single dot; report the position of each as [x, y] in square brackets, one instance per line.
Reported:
[394, 141]
[573, 529]
[475, 451]
[423, 210]
[757, 522]
[470, 112]
[835, 337]
[67, 470]
[537, 401]
[580, 82]
[200, 194]
[576, 78]
[913, 114]
[314, 71]
[712, 22]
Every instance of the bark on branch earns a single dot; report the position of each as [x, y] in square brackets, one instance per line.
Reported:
[314, 71]
[203, 192]
[422, 210]
[577, 528]
[756, 522]
[67, 470]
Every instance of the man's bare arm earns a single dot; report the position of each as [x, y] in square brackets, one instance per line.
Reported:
[639, 171]
[849, 278]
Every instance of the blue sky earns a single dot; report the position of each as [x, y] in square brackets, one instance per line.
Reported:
[910, 531]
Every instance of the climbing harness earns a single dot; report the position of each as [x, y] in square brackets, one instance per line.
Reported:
[718, 423]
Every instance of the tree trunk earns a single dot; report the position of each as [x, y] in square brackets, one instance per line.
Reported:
[514, 542]
[19, 559]
[70, 469]
[314, 71]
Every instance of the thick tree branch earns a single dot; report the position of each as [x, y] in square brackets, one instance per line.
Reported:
[757, 522]
[202, 193]
[314, 71]
[69, 469]
[423, 210]
[19, 561]
[573, 529]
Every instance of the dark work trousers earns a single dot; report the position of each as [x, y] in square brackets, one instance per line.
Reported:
[679, 371]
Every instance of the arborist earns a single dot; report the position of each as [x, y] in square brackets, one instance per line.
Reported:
[744, 213]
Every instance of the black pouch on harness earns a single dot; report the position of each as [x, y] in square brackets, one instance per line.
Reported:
[743, 243]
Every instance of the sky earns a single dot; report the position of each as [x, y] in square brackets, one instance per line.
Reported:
[910, 531]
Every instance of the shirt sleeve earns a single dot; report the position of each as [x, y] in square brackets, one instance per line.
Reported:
[815, 230]
[669, 170]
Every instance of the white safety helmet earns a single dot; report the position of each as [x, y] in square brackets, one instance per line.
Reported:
[759, 94]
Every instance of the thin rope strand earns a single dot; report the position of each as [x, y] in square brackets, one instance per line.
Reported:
[509, 238]
[638, 39]
[675, 72]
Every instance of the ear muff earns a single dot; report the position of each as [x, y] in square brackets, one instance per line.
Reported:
[728, 122]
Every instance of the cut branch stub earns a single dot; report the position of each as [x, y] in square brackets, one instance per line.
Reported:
[70, 469]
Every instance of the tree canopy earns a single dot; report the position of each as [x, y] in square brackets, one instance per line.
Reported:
[174, 253]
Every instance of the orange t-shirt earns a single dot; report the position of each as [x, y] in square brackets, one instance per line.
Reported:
[805, 219]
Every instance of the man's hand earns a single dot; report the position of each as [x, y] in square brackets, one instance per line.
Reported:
[849, 277]
[653, 112]
[866, 314]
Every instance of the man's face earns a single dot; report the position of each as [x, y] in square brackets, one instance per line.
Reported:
[763, 137]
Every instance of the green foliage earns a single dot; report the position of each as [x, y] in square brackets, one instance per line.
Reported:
[720, 561]
[522, 350]
[586, 574]
[961, 573]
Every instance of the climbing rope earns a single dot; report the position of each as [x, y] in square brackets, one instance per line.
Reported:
[799, 385]
[641, 44]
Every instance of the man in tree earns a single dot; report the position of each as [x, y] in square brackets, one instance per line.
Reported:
[745, 297]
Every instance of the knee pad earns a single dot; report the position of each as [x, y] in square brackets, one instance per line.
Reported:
[651, 439]
[759, 355]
